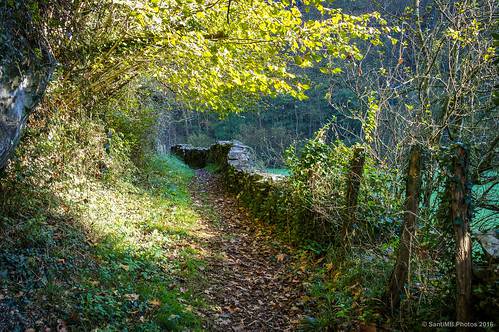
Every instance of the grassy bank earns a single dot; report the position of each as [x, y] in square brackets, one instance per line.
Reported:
[98, 254]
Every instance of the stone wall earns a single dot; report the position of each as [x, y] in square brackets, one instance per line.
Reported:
[223, 154]
[268, 196]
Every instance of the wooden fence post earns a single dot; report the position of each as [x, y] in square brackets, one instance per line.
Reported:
[353, 186]
[460, 213]
[413, 185]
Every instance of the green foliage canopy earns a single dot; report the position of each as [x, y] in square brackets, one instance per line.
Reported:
[209, 54]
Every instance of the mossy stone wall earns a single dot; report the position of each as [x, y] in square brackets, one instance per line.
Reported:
[269, 196]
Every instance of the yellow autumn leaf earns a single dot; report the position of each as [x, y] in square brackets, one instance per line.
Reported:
[155, 302]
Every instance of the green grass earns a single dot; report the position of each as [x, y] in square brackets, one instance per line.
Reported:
[485, 219]
[106, 256]
[278, 171]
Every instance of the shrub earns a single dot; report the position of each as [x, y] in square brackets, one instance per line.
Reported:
[319, 173]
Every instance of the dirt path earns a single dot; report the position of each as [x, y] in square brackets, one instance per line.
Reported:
[250, 281]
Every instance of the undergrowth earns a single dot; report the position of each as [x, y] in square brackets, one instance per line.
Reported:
[90, 239]
[351, 274]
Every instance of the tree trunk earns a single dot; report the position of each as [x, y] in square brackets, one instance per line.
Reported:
[353, 186]
[460, 213]
[401, 270]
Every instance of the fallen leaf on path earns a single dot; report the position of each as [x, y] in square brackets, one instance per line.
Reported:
[232, 308]
[280, 257]
[367, 328]
[132, 297]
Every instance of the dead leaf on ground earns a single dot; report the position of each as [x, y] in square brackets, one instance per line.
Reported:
[367, 328]
[132, 297]
[155, 302]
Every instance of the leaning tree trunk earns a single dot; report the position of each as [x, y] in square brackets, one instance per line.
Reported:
[460, 212]
[25, 69]
[352, 189]
[413, 185]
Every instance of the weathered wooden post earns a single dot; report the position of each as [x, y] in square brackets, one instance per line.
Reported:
[460, 213]
[353, 186]
[412, 191]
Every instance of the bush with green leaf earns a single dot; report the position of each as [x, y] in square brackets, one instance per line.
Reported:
[319, 175]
